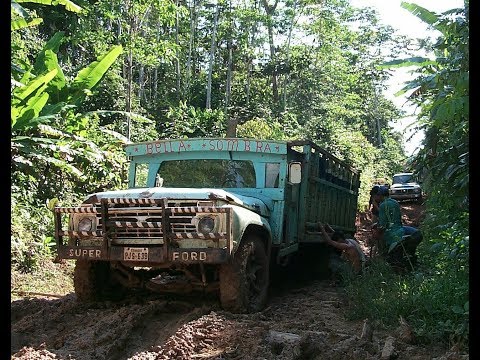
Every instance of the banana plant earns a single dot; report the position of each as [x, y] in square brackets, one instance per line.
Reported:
[69, 5]
[30, 105]
[43, 95]
[25, 20]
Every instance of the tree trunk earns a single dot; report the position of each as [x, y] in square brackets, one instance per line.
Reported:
[287, 63]
[232, 123]
[212, 55]
[270, 10]
[155, 73]
[272, 62]
[155, 84]
[249, 79]
[128, 105]
[249, 59]
[377, 120]
[228, 86]
[141, 72]
[195, 62]
[191, 43]
[177, 57]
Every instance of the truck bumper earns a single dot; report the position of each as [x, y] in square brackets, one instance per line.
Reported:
[145, 255]
[406, 196]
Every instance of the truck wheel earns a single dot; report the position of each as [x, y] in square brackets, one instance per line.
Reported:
[244, 281]
[92, 280]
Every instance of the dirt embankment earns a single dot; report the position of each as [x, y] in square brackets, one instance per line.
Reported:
[304, 319]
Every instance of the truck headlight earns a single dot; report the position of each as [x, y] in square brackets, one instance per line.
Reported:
[206, 224]
[85, 224]
[417, 190]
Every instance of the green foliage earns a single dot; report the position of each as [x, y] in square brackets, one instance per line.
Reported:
[55, 151]
[31, 229]
[434, 302]
[108, 100]
[443, 96]
[187, 121]
[263, 129]
[42, 103]
[448, 233]
[423, 14]
[441, 91]
[22, 23]
[255, 128]
[69, 5]
[88, 77]
[435, 298]
[414, 61]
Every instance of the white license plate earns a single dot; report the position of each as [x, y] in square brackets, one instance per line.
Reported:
[135, 254]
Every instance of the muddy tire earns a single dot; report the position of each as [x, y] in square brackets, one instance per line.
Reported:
[244, 281]
[92, 280]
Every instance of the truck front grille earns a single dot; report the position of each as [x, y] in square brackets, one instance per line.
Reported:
[148, 220]
[403, 191]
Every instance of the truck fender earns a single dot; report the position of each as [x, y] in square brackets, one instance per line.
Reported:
[245, 221]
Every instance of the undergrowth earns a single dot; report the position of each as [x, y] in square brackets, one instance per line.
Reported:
[33, 251]
[435, 302]
[48, 278]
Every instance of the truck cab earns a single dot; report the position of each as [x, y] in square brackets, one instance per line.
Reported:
[206, 214]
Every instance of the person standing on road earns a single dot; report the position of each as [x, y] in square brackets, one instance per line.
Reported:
[396, 242]
[352, 258]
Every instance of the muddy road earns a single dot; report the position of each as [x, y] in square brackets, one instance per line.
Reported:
[304, 319]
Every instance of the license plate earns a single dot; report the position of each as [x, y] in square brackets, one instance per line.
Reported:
[135, 254]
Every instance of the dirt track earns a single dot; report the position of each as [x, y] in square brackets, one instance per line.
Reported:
[304, 319]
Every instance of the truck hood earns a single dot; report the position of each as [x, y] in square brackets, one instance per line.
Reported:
[247, 202]
[406, 185]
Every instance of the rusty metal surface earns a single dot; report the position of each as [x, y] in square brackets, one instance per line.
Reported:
[159, 226]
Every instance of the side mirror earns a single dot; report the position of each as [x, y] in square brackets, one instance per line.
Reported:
[295, 172]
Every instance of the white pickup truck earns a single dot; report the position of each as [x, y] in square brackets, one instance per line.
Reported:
[406, 187]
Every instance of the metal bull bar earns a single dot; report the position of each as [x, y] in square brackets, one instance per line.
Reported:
[166, 250]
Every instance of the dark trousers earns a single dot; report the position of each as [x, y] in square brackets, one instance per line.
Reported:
[404, 253]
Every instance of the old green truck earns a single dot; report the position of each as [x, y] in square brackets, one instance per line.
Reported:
[208, 214]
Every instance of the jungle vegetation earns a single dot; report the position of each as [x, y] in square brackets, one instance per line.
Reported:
[91, 75]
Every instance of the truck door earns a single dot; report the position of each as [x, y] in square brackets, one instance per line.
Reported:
[292, 203]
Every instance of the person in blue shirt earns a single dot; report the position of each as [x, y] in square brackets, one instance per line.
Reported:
[397, 243]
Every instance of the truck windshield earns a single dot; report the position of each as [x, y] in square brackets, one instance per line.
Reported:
[402, 179]
[208, 173]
